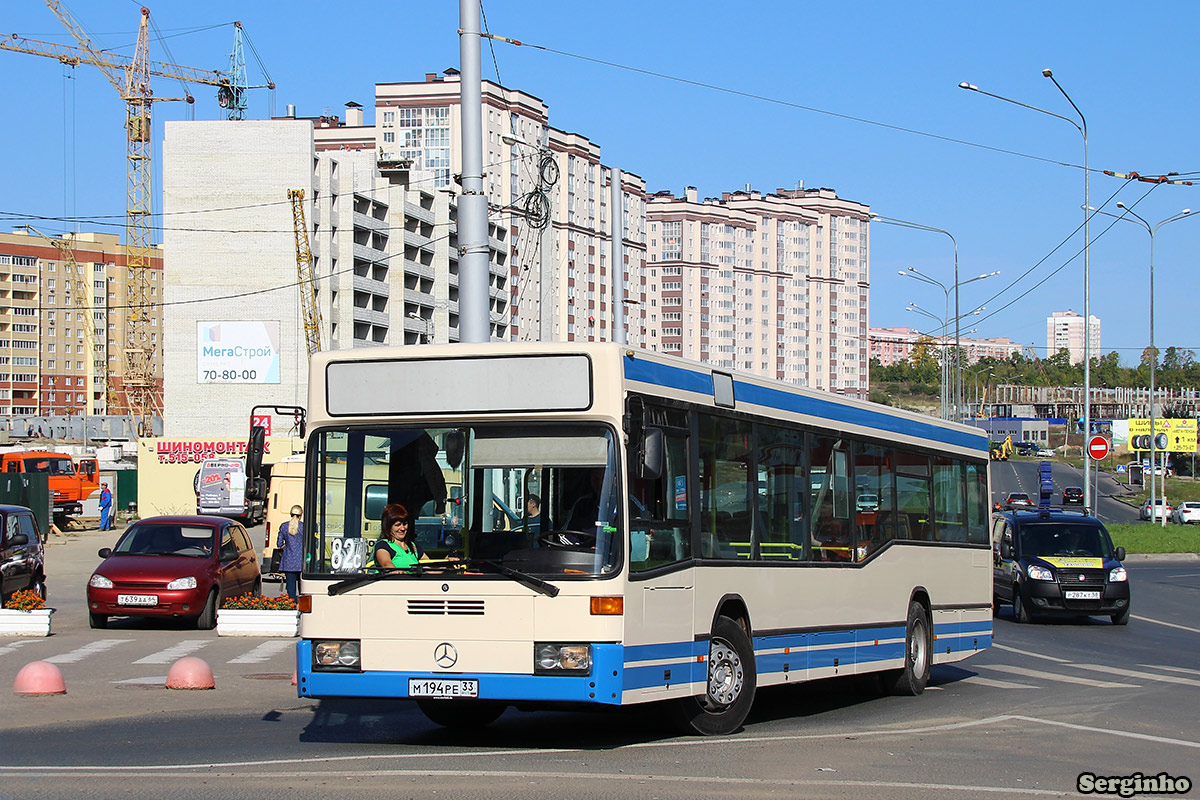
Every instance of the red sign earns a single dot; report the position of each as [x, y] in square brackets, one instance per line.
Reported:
[1098, 448]
[263, 421]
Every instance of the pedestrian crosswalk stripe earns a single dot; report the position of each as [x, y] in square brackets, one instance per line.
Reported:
[263, 652]
[11, 646]
[1055, 676]
[1030, 654]
[91, 648]
[1171, 669]
[174, 653]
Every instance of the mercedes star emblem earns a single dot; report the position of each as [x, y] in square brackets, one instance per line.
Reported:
[445, 656]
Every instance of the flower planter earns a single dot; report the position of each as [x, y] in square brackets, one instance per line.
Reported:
[25, 623]
[240, 622]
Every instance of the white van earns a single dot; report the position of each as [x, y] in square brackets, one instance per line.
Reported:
[221, 490]
[286, 489]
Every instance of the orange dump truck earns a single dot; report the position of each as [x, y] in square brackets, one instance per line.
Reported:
[71, 482]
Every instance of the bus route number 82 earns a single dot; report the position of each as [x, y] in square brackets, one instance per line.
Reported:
[348, 555]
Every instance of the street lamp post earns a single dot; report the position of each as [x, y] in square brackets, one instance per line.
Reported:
[1081, 126]
[903, 223]
[942, 329]
[912, 272]
[1152, 230]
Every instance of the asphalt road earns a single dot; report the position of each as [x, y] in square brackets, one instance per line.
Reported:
[1050, 700]
[1022, 476]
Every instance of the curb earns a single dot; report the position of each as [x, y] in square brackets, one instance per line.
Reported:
[1161, 557]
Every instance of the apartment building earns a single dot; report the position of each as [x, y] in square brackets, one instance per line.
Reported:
[546, 186]
[892, 345]
[771, 283]
[1065, 331]
[384, 253]
[64, 308]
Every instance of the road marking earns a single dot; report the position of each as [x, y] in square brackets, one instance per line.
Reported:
[995, 684]
[1053, 676]
[1135, 674]
[173, 653]
[1030, 654]
[263, 652]
[287, 765]
[1171, 669]
[1168, 624]
[158, 680]
[8, 648]
[89, 649]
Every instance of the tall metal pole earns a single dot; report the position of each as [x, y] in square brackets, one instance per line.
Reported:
[1087, 294]
[958, 382]
[616, 266]
[474, 318]
[1081, 126]
[1152, 230]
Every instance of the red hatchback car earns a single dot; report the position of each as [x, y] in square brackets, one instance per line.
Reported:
[181, 566]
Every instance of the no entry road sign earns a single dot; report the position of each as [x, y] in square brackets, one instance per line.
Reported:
[1098, 447]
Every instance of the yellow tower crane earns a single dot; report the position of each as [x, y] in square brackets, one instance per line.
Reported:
[131, 78]
[309, 309]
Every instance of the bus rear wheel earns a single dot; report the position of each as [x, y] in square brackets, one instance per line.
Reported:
[732, 680]
[461, 713]
[918, 648]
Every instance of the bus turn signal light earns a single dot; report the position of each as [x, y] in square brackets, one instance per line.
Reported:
[608, 605]
[304, 604]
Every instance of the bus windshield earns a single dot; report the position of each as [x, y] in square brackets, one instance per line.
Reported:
[539, 499]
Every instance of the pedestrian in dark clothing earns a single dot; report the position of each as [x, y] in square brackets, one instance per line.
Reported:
[290, 539]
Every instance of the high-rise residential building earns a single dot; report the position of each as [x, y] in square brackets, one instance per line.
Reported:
[64, 308]
[771, 283]
[384, 251]
[892, 345]
[546, 185]
[1065, 331]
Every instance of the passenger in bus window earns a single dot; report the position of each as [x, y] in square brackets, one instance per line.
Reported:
[397, 548]
[533, 507]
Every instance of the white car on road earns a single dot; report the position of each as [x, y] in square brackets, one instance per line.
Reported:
[1186, 513]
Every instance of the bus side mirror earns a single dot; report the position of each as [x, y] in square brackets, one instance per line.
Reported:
[1120, 553]
[254, 456]
[652, 454]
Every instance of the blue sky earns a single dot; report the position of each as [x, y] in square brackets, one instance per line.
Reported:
[1130, 67]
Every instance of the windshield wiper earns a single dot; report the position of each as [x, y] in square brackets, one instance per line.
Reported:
[351, 584]
[523, 578]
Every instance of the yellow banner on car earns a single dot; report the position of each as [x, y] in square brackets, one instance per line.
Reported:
[1076, 562]
[1180, 434]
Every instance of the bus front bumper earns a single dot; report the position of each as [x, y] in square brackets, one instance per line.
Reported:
[602, 685]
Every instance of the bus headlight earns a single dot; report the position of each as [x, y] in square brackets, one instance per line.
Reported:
[337, 655]
[560, 659]
[1040, 573]
[1117, 575]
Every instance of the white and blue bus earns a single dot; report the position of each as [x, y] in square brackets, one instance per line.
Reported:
[605, 525]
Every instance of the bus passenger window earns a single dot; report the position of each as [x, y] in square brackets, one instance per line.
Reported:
[659, 533]
[726, 499]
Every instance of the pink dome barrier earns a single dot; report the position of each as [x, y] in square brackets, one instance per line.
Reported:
[190, 673]
[39, 677]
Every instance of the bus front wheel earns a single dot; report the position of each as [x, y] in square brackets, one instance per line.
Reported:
[732, 679]
[918, 648]
[461, 713]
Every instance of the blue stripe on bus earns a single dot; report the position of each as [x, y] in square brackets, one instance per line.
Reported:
[617, 669]
[674, 377]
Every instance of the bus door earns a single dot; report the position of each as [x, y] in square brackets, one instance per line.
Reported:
[659, 604]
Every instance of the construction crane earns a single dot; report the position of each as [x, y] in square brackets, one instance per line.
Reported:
[131, 78]
[79, 289]
[309, 309]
